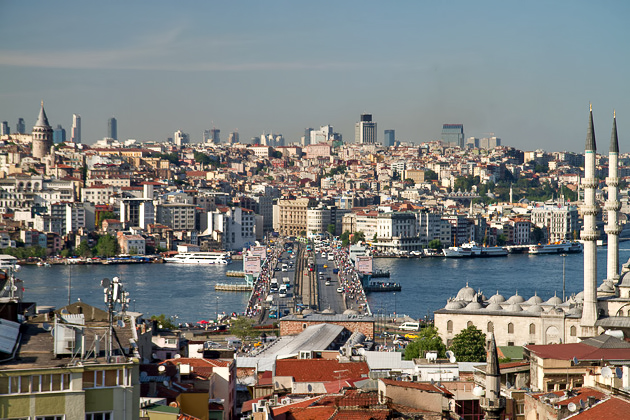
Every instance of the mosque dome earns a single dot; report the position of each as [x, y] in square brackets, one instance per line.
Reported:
[454, 304]
[624, 281]
[516, 299]
[466, 293]
[350, 312]
[579, 297]
[535, 300]
[555, 310]
[474, 306]
[535, 309]
[496, 298]
[494, 307]
[307, 312]
[328, 311]
[576, 310]
[555, 300]
[515, 307]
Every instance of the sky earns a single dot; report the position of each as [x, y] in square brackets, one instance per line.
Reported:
[523, 70]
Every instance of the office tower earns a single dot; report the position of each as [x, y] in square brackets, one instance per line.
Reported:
[233, 137]
[76, 128]
[306, 140]
[180, 138]
[59, 134]
[112, 128]
[42, 135]
[215, 136]
[453, 135]
[390, 138]
[590, 234]
[472, 142]
[20, 128]
[489, 142]
[5, 130]
[365, 130]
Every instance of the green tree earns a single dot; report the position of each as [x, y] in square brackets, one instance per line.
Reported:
[428, 340]
[164, 322]
[345, 238]
[331, 229]
[538, 235]
[171, 157]
[201, 157]
[84, 249]
[107, 246]
[243, 327]
[430, 175]
[358, 237]
[104, 215]
[435, 244]
[469, 345]
[501, 239]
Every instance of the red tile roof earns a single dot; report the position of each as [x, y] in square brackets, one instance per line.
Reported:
[320, 370]
[580, 350]
[613, 408]
[422, 386]
[311, 413]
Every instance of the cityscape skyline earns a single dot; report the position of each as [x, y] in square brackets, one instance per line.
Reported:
[496, 68]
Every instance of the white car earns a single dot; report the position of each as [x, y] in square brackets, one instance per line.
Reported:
[340, 290]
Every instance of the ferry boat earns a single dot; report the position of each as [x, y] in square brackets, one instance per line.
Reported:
[561, 247]
[201, 258]
[472, 249]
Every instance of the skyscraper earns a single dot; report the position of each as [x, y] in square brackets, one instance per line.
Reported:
[453, 135]
[5, 130]
[20, 128]
[112, 128]
[365, 130]
[215, 136]
[180, 138]
[59, 134]
[42, 135]
[233, 137]
[390, 138]
[76, 128]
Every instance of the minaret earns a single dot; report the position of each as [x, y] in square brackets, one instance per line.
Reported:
[42, 135]
[613, 229]
[589, 234]
[492, 403]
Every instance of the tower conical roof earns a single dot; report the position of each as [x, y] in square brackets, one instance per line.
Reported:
[614, 141]
[590, 135]
[42, 120]
[492, 359]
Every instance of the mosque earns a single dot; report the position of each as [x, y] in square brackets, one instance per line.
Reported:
[520, 321]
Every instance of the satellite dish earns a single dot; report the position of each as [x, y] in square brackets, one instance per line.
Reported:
[572, 407]
[478, 391]
[508, 385]
[120, 323]
[154, 356]
[165, 383]
[17, 268]
[161, 368]
[606, 372]
[575, 361]
[177, 356]
[618, 373]
[64, 311]
[105, 283]
[432, 382]
[46, 326]
[143, 375]
[582, 404]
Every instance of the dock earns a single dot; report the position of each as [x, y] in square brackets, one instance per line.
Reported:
[233, 273]
[235, 287]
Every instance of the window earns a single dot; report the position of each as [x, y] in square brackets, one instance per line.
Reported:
[469, 324]
[573, 331]
[99, 416]
[510, 328]
[490, 327]
[532, 329]
[449, 326]
[57, 417]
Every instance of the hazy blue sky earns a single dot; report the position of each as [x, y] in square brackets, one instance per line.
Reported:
[525, 70]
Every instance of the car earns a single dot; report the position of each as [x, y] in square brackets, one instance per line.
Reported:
[339, 289]
[325, 266]
[327, 283]
[258, 344]
[411, 336]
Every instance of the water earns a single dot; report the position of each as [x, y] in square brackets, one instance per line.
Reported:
[187, 292]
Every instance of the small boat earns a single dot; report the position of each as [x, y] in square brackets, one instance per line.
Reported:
[200, 258]
[556, 248]
[472, 249]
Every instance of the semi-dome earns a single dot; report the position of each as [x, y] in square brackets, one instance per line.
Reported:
[624, 280]
[307, 311]
[496, 298]
[516, 298]
[576, 311]
[494, 307]
[535, 300]
[350, 312]
[474, 306]
[328, 311]
[579, 298]
[555, 300]
[515, 307]
[454, 304]
[535, 309]
[466, 293]
[555, 310]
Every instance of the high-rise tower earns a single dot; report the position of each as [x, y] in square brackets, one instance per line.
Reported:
[365, 130]
[613, 229]
[112, 128]
[20, 128]
[76, 128]
[42, 135]
[589, 233]
[453, 134]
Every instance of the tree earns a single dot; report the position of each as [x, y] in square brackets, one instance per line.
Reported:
[430, 175]
[107, 246]
[469, 345]
[358, 237]
[104, 215]
[171, 157]
[538, 235]
[428, 340]
[345, 238]
[331, 229]
[243, 327]
[84, 249]
[435, 244]
[164, 322]
[501, 239]
[201, 158]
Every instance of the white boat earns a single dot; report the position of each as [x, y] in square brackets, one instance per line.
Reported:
[472, 249]
[556, 248]
[201, 258]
